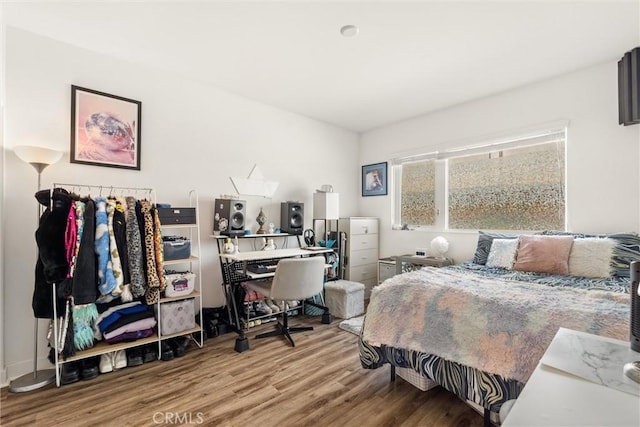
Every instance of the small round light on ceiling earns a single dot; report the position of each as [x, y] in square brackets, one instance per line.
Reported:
[349, 30]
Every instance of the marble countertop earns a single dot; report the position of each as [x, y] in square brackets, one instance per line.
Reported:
[579, 382]
[593, 358]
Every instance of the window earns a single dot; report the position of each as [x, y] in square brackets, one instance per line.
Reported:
[418, 205]
[514, 184]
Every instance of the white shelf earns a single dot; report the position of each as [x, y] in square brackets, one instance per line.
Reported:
[193, 294]
[190, 331]
[276, 253]
[102, 347]
[178, 225]
[192, 258]
[252, 236]
[194, 265]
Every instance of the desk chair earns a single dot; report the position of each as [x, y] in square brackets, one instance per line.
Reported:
[294, 279]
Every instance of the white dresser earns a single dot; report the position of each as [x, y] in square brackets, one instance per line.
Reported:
[361, 254]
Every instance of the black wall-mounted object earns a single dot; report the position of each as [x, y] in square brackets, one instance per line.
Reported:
[634, 337]
[292, 217]
[629, 88]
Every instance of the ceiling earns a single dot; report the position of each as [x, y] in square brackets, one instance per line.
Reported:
[409, 58]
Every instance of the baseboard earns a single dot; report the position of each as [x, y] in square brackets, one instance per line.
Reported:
[23, 367]
[4, 382]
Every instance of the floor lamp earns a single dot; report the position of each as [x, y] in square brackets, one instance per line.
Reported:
[39, 158]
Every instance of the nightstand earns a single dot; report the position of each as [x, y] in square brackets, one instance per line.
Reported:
[386, 268]
[390, 266]
[405, 263]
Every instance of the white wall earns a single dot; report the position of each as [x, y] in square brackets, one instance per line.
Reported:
[193, 137]
[602, 157]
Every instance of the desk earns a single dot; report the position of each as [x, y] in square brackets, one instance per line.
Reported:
[554, 397]
[274, 254]
[234, 271]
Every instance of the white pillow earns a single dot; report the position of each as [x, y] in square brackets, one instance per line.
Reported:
[502, 253]
[591, 257]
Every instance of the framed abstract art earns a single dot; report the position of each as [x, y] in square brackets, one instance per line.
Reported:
[105, 129]
[374, 179]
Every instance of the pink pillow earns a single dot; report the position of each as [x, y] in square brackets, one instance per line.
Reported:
[544, 254]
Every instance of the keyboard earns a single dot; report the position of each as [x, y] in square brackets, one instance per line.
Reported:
[263, 268]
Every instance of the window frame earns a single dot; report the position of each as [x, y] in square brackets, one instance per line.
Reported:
[556, 132]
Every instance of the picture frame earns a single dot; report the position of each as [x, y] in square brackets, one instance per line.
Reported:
[374, 179]
[105, 129]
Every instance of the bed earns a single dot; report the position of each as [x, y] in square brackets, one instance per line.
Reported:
[478, 329]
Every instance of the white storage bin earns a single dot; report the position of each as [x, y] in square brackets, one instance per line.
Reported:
[179, 284]
[177, 316]
[345, 299]
[415, 379]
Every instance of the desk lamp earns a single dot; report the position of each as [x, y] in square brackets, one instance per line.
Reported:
[439, 246]
[39, 158]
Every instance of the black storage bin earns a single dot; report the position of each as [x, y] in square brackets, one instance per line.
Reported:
[170, 216]
[176, 247]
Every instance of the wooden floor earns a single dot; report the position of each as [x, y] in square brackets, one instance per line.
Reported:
[318, 383]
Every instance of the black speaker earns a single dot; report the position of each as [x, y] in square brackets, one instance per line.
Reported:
[629, 88]
[292, 217]
[229, 216]
[635, 307]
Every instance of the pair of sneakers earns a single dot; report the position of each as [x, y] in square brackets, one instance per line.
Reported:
[261, 308]
[287, 305]
[112, 361]
[272, 305]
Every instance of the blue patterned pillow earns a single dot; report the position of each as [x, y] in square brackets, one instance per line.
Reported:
[485, 239]
[626, 250]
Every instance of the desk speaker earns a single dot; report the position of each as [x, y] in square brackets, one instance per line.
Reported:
[229, 217]
[635, 307]
[292, 217]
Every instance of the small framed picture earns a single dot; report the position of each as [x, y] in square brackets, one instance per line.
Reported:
[374, 179]
[105, 129]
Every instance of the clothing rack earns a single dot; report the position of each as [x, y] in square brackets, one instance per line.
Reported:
[111, 188]
[99, 188]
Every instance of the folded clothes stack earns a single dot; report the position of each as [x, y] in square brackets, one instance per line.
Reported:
[125, 322]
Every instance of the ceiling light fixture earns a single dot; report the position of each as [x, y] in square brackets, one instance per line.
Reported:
[349, 30]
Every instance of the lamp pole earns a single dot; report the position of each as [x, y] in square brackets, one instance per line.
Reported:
[39, 158]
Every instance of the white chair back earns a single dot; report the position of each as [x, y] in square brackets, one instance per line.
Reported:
[298, 278]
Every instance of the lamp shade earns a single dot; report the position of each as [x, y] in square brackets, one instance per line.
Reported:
[439, 246]
[32, 154]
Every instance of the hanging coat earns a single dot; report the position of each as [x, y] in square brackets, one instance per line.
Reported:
[51, 266]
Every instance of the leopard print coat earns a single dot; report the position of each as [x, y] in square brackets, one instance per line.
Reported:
[152, 293]
[134, 249]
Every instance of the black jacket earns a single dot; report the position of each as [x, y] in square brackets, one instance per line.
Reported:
[52, 266]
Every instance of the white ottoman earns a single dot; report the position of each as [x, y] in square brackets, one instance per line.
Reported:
[344, 299]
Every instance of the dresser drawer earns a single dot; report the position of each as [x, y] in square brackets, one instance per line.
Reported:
[366, 256]
[363, 273]
[363, 241]
[362, 226]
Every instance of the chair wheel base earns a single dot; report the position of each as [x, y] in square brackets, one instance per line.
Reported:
[327, 318]
[242, 344]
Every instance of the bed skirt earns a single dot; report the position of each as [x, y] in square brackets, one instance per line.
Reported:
[487, 390]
